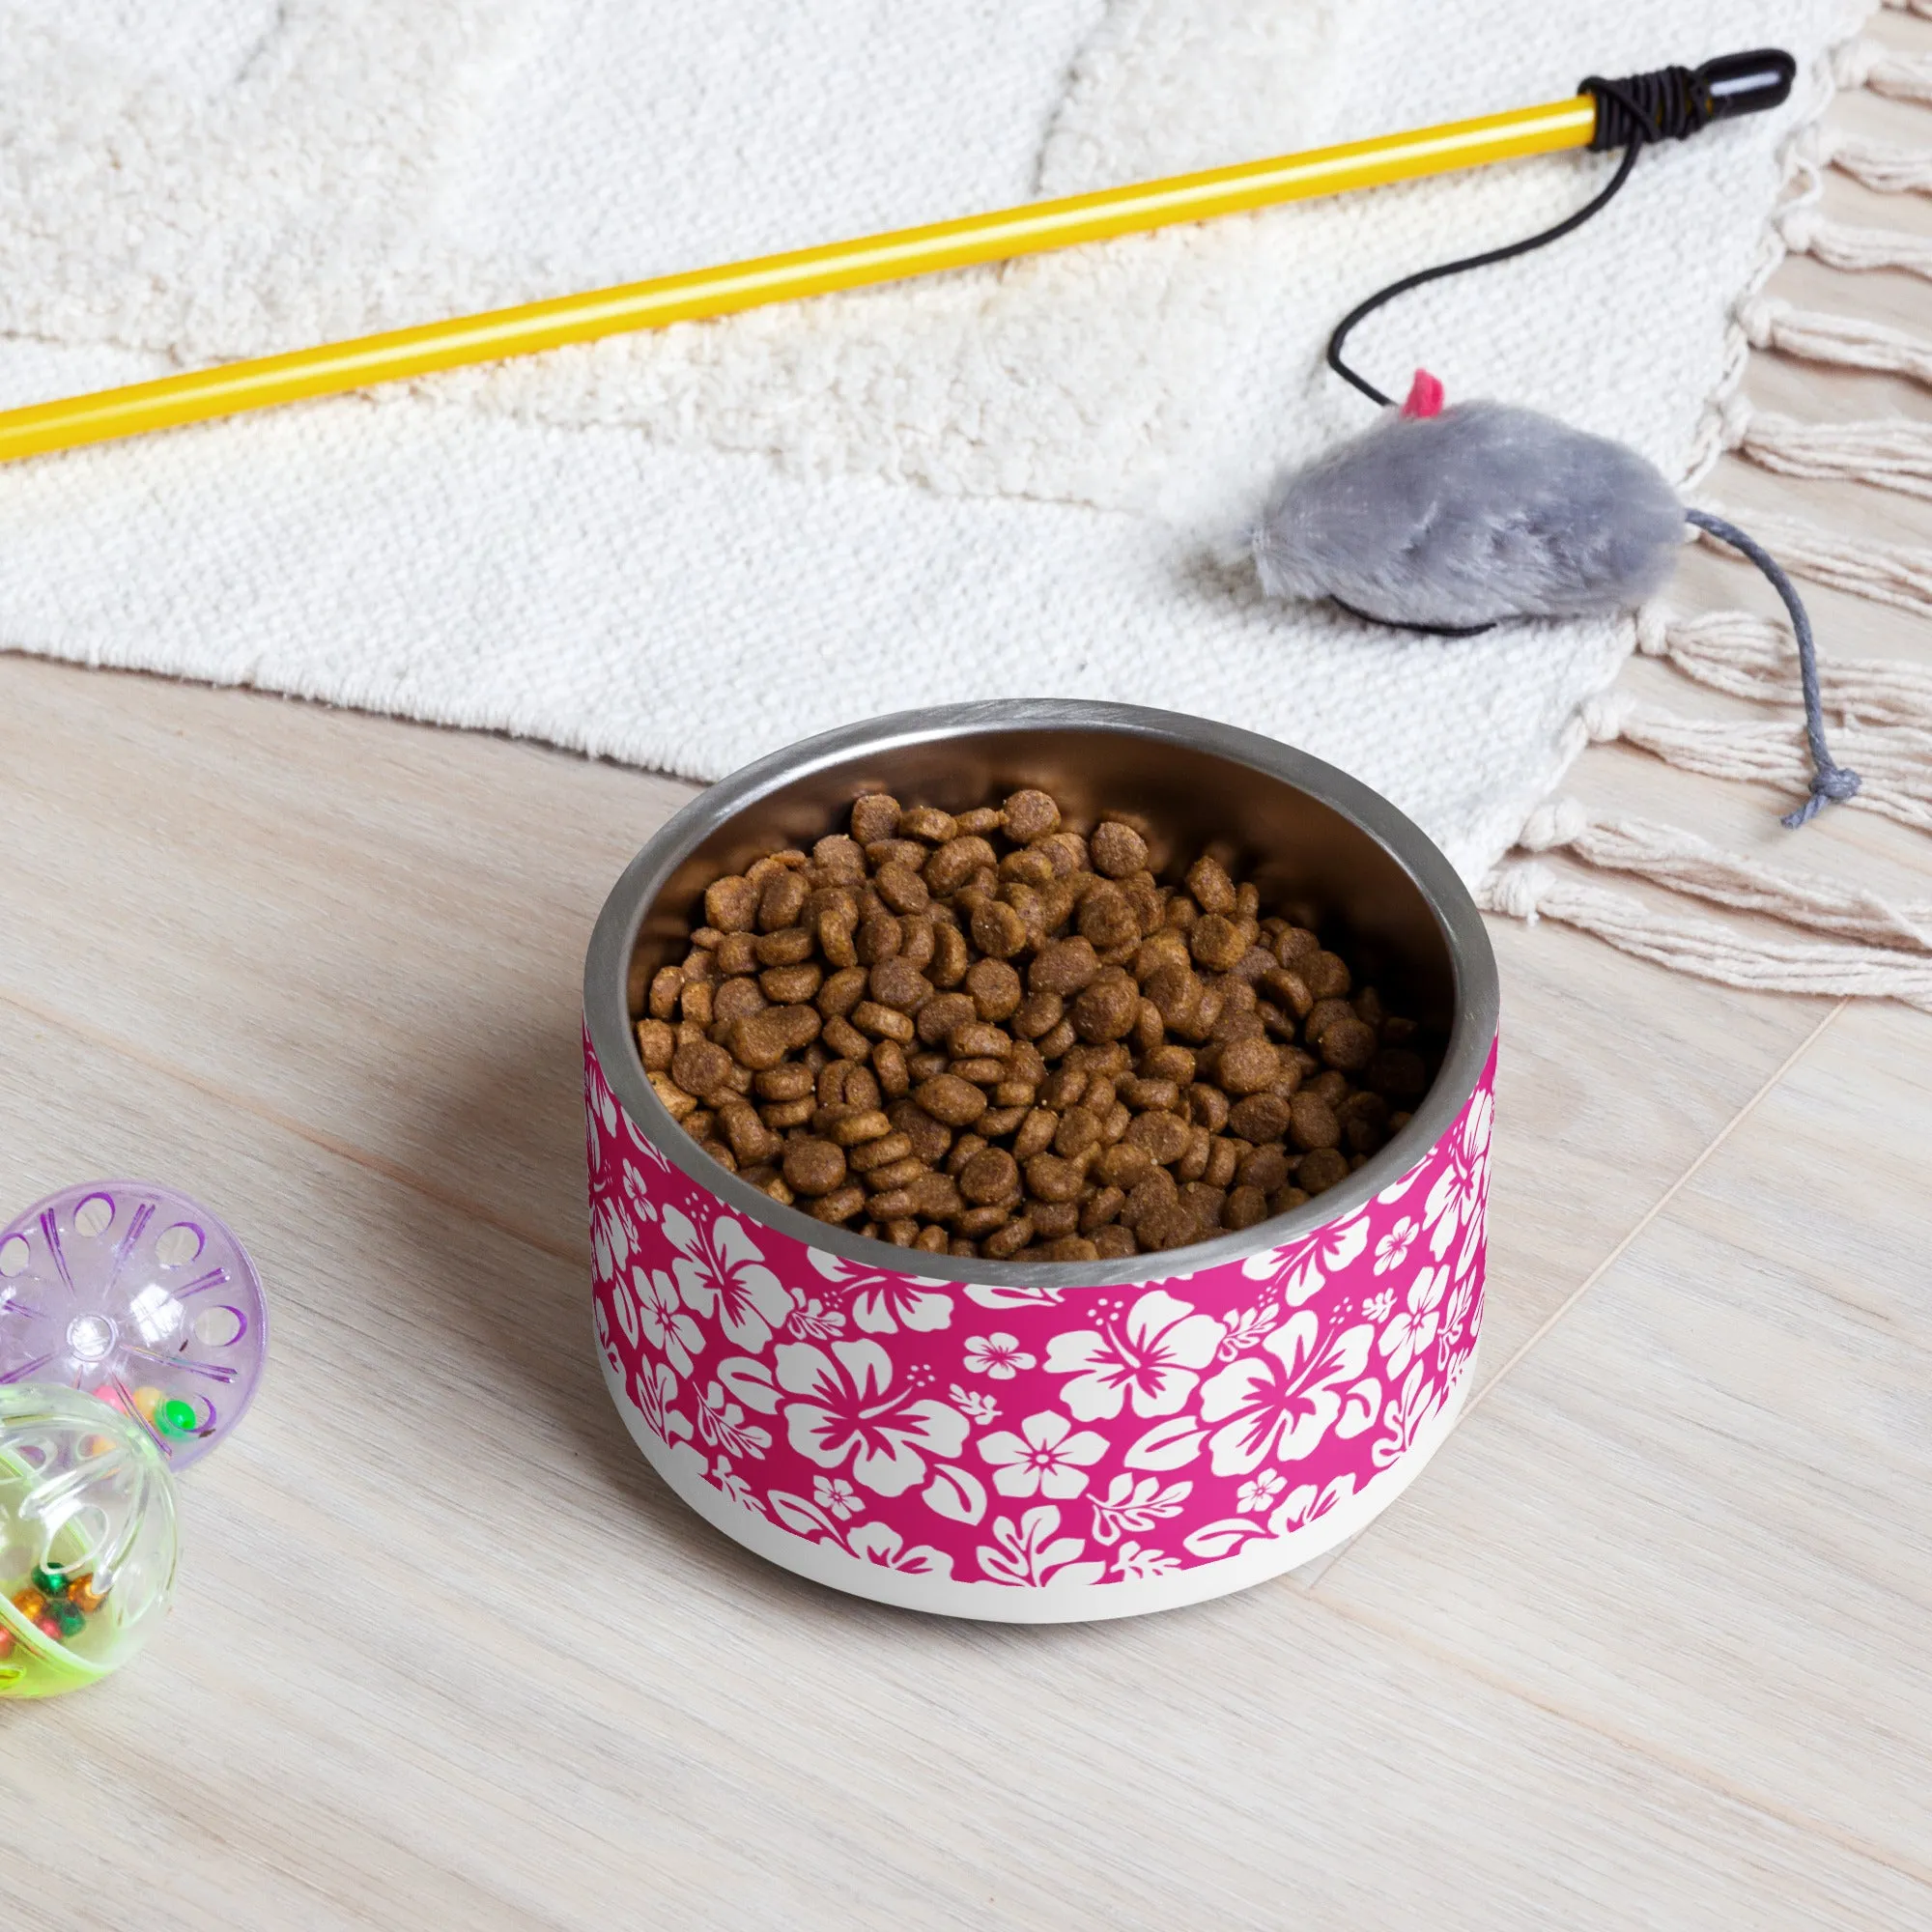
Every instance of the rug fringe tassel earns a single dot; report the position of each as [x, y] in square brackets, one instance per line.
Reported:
[1895, 764]
[1883, 70]
[1814, 335]
[1896, 574]
[1687, 864]
[1855, 250]
[1896, 454]
[1753, 657]
[1525, 889]
[1879, 166]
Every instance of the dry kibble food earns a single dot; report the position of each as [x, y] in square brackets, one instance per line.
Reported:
[998, 1033]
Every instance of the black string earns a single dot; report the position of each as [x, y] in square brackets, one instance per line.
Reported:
[1635, 107]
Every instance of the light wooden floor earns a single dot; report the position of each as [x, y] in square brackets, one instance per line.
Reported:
[1647, 1645]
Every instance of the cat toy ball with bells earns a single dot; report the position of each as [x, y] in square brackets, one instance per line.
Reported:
[131, 1338]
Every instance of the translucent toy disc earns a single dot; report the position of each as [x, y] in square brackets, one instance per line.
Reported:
[137, 1296]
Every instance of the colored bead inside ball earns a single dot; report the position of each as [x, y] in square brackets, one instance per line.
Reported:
[86, 1538]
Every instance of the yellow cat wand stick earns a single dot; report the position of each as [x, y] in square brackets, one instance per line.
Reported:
[333, 369]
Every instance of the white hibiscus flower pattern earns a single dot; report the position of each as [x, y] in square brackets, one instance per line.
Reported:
[1026, 1437]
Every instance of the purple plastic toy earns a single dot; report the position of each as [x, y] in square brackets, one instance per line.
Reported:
[135, 1294]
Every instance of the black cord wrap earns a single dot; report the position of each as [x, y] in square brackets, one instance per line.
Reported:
[1667, 105]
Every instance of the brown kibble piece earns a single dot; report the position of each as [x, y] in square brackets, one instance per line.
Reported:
[998, 930]
[902, 889]
[841, 1204]
[995, 988]
[955, 863]
[1028, 815]
[1349, 1045]
[1004, 1242]
[869, 1125]
[897, 983]
[1062, 966]
[1107, 1009]
[813, 1167]
[869, 1156]
[1078, 1130]
[1210, 886]
[1036, 1132]
[1169, 1226]
[1322, 1169]
[1261, 1117]
[929, 823]
[1118, 850]
[1216, 941]
[1107, 917]
[1115, 1243]
[1162, 1137]
[1312, 1122]
[947, 1098]
[840, 857]
[1326, 975]
[991, 1175]
[1124, 1165]
[731, 904]
[875, 816]
[700, 1068]
[1244, 1208]
[1323, 1014]
[1038, 1015]
[656, 1043]
[1248, 1066]
[1049, 1177]
[782, 901]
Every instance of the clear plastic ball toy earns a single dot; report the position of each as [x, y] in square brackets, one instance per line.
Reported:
[86, 1538]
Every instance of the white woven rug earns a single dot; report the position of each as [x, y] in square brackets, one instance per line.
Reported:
[688, 549]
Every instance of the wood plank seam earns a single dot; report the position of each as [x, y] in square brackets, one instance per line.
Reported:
[363, 1158]
[1687, 1768]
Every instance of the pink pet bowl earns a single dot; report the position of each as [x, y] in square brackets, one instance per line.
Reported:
[1040, 1443]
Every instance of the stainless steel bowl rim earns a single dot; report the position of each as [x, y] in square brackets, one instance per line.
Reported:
[607, 973]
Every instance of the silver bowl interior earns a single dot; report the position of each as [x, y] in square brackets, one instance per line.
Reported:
[1321, 848]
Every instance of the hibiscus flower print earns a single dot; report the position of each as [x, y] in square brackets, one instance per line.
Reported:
[1134, 1565]
[668, 1329]
[1410, 1330]
[1153, 1357]
[1457, 1312]
[610, 1239]
[999, 1356]
[1297, 1272]
[1247, 1328]
[979, 1409]
[1455, 1200]
[1281, 1404]
[879, 1543]
[836, 1496]
[1376, 1307]
[722, 1422]
[1392, 1250]
[726, 1480]
[814, 1322]
[847, 1414]
[1256, 1496]
[654, 1388]
[882, 1304]
[1031, 1551]
[1129, 1504]
[719, 1267]
[1047, 1458]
